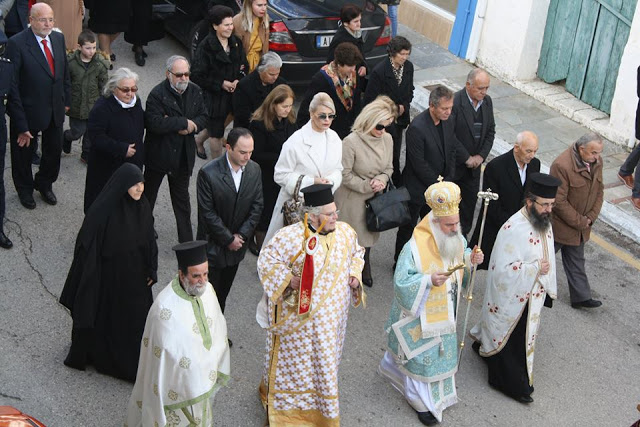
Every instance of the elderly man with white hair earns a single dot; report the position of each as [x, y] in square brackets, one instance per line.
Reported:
[422, 351]
[253, 89]
[175, 113]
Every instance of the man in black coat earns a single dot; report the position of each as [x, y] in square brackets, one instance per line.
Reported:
[175, 113]
[229, 207]
[506, 175]
[475, 129]
[254, 88]
[431, 153]
[42, 78]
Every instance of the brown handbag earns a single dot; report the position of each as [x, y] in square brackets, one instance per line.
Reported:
[291, 208]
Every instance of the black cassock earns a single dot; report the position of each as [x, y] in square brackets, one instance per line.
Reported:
[106, 288]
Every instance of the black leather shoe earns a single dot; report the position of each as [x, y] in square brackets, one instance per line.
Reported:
[230, 343]
[4, 241]
[590, 303]
[427, 418]
[27, 201]
[133, 49]
[367, 282]
[139, 57]
[202, 155]
[66, 146]
[525, 399]
[49, 197]
[476, 347]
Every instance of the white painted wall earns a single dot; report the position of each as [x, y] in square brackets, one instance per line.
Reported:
[625, 100]
[512, 37]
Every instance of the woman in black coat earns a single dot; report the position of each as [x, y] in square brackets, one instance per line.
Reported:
[394, 78]
[218, 64]
[116, 130]
[108, 288]
[349, 32]
[341, 82]
[271, 125]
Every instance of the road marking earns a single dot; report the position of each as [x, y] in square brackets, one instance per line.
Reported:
[624, 256]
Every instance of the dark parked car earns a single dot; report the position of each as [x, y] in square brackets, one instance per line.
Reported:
[301, 30]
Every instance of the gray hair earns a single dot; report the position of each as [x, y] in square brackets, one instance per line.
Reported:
[439, 93]
[473, 74]
[587, 138]
[116, 77]
[321, 99]
[173, 59]
[312, 210]
[269, 60]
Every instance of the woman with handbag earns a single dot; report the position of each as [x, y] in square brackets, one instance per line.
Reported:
[312, 155]
[367, 164]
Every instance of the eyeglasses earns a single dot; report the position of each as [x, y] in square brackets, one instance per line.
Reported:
[180, 75]
[545, 205]
[45, 20]
[326, 116]
[336, 213]
[133, 89]
[380, 126]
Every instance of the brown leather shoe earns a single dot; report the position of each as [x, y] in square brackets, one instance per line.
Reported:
[626, 180]
[635, 201]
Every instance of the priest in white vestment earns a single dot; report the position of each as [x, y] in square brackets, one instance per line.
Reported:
[422, 349]
[521, 279]
[184, 354]
[311, 274]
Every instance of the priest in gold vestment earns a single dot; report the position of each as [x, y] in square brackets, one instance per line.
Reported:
[319, 259]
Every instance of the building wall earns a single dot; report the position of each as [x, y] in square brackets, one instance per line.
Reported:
[430, 21]
[511, 38]
[625, 99]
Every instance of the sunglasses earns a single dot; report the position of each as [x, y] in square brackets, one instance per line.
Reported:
[380, 126]
[133, 89]
[180, 75]
[326, 116]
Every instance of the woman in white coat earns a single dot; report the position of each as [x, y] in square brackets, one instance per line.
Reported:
[314, 151]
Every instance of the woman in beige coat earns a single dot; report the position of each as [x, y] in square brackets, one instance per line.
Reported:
[367, 162]
[251, 25]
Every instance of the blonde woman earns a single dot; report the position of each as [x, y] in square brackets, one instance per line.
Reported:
[367, 164]
[251, 25]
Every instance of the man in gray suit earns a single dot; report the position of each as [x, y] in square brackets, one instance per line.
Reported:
[42, 78]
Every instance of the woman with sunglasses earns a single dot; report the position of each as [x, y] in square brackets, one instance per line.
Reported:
[313, 152]
[116, 131]
[340, 80]
[367, 155]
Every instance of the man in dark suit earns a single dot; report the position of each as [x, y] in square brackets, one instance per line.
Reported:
[42, 78]
[230, 203]
[506, 175]
[475, 129]
[431, 153]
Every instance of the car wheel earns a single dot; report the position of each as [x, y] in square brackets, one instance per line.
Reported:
[198, 33]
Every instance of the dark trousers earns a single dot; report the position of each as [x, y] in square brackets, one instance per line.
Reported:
[179, 192]
[628, 167]
[222, 278]
[78, 129]
[469, 187]
[405, 231]
[573, 263]
[396, 133]
[3, 151]
[49, 164]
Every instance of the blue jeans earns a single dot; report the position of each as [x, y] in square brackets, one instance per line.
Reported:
[629, 165]
[392, 11]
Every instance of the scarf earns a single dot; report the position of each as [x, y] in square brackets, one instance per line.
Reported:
[129, 105]
[344, 88]
[397, 72]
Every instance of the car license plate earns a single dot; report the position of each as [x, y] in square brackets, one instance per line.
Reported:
[323, 41]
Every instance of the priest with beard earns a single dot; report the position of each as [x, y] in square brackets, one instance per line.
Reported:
[422, 351]
[521, 279]
[184, 354]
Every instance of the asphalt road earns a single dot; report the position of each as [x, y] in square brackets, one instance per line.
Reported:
[587, 363]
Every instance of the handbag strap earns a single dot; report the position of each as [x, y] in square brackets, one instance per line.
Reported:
[390, 185]
[296, 191]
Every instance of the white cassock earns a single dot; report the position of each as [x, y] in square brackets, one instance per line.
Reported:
[184, 360]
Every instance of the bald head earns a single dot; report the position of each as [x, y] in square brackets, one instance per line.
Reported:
[41, 19]
[525, 147]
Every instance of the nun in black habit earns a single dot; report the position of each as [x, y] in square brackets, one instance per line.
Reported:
[108, 289]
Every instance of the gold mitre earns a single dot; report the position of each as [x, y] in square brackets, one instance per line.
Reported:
[443, 198]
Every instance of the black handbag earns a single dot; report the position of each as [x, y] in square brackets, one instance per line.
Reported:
[389, 209]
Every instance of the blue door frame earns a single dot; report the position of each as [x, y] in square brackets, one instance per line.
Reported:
[459, 41]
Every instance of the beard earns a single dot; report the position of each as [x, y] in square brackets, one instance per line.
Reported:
[181, 86]
[539, 221]
[193, 289]
[449, 245]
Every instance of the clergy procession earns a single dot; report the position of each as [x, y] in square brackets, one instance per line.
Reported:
[306, 195]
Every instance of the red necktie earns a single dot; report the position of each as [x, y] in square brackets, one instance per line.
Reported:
[49, 56]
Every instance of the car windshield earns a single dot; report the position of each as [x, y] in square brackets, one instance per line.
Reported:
[313, 8]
